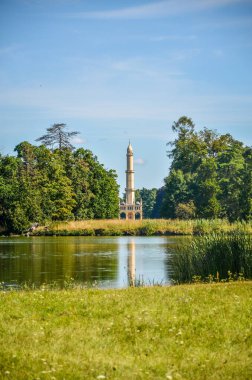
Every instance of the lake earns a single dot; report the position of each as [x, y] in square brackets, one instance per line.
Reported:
[105, 262]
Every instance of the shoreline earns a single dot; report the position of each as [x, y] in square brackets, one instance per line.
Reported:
[145, 227]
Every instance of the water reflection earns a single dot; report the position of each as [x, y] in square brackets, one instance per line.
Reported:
[105, 261]
[131, 263]
[46, 260]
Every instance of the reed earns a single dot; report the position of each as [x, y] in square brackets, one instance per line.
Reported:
[213, 257]
[146, 227]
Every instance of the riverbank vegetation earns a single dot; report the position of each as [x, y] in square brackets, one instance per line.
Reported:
[212, 258]
[149, 227]
[182, 332]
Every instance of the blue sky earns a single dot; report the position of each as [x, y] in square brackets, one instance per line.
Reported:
[120, 70]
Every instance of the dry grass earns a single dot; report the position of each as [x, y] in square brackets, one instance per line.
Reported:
[144, 227]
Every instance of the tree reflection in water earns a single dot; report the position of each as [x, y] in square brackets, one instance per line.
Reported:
[53, 259]
[102, 261]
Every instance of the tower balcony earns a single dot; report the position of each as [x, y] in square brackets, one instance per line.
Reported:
[130, 207]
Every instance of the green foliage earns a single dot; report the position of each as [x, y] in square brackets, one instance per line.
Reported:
[156, 211]
[185, 210]
[176, 191]
[148, 197]
[212, 171]
[40, 185]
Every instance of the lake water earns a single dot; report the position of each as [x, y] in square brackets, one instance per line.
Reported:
[106, 262]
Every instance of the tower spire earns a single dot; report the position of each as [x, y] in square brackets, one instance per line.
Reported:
[130, 191]
[130, 208]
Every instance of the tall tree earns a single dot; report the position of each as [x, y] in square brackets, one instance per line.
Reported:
[231, 166]
[56, 135]
[246, 192]
[176, 191]
[207, 190]
[156, 212]
[210, 171]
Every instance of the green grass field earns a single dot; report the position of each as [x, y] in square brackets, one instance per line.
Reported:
[181, 332]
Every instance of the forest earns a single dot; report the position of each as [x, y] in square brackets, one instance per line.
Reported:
[54, 181]
[210, 177]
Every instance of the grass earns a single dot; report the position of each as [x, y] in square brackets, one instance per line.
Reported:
[146, 227]
[213, 257]
[183, 332]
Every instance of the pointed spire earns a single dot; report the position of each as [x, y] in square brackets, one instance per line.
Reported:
[130, 149]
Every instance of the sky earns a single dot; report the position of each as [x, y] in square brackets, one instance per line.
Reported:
[119, 70]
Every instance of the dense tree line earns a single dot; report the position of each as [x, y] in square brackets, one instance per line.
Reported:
[41, 184]
[210, 175]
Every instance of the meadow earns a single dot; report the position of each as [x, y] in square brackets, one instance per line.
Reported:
[145, 227]
[200, 331]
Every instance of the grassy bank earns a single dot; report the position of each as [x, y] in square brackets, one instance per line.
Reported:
[184, 332]
[146, 227]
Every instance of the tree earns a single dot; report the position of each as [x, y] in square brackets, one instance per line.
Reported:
[156, 211]
[212, 171]
[207, 190]
[104, 199]
[246, 192]
[187, 149]
[176, 191]
[148, 197]
[57, 135]
[185, 210]
[231, 165]
[40, 185]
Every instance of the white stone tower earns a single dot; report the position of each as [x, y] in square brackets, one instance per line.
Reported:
[130, 191]
[130, 209]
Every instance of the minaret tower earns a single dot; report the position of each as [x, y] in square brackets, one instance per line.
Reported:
[130, 209]
[130, 191]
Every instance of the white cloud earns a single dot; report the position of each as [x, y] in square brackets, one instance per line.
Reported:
[154, 9]
[59, 104]
[78, 140]
[139, 161]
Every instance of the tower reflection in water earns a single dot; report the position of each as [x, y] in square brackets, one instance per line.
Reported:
[131, 263]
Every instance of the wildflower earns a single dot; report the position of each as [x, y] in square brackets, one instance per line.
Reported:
[169, 376]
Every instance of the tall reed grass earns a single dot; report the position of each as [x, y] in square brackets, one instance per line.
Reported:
[213, 257]
[146, 227]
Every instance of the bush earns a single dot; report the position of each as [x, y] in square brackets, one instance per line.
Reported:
[185, 210]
